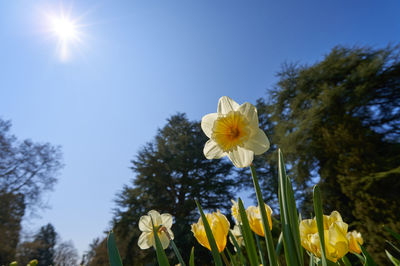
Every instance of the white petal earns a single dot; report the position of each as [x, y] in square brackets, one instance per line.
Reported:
[171, 234]
[241, 157]
[145, 224]
[258, 143]
[164, 240]
[226, 104]
[166, 220]
[250, 112]
[212, 150]
[144, 241]
[156, 217]
[207, 123]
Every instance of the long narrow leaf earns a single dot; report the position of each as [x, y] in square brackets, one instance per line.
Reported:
[210, 237]
[248, 236]
[267, 230]
[289, 218]
[312, 260]
[346, 261]
[177, 253]
[238, 250]
[279, 245]
[263, 262]
[395, 261]
[161, 256]
[113, 254]
[320, 222]
[191, 259]
[294, 220]
[368, 259]
[393, 233]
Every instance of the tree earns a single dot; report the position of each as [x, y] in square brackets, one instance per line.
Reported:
[46, 239]
[171, 172]
[27, 170]
[66, 254]
[12, 209]
[338, 124]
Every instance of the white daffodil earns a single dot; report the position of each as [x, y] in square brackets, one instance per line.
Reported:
[162, 224]
[234, 132]
[237, 234]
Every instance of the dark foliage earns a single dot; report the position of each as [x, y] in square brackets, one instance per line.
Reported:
[338, 124]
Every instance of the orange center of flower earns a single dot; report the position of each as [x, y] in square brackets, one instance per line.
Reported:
[230, 131]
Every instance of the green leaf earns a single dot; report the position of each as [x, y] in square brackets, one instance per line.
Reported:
[320, 222]
[312, 260]
[279, 245]
[248, 236]
[210, 237]
[161, 256]
[346, 261]
[267, 230]
[289, 218]
[393, 233]
[393, 247]
[238, 250]
[113, 254]
[263, 262]
[361, 258]
[395, 261]
[191, 259]
[177, 253]
[368, 259]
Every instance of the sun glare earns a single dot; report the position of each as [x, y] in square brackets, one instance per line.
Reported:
[66, 30]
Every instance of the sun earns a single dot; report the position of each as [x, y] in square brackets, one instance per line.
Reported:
[64, 28]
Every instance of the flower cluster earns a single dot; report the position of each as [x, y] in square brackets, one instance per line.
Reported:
[234, 132]
[337, 240]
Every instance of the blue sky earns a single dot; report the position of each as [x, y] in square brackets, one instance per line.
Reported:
[139, 62]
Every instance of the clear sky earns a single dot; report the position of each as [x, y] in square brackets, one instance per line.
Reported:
[139, 61]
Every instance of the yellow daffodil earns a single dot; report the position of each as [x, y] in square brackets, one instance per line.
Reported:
[355, 239]
[162, 223]
[234, 132]
[255, 220]
[33, 263]
[219, 226]
[335, 230]
[237, 234]
[235, 212]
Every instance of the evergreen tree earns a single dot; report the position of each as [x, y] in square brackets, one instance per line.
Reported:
[338, 124]
[46, 239]
[171, 172]
[27, 170]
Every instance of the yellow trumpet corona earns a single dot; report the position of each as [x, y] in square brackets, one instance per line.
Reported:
[219, 226]
[255, 219]
[335, 231]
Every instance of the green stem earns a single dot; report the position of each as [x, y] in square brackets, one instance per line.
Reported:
[177, 253]
[224, 258]
[264, 263]
[267, 230]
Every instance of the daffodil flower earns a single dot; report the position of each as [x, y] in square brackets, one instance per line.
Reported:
[235, 212]
[234, 132]
[355, 239]
[162, 224]
[255, 220]
[335, 230]
[237, 234]
[219, 227]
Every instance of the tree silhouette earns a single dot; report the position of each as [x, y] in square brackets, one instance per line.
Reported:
[338, 124]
